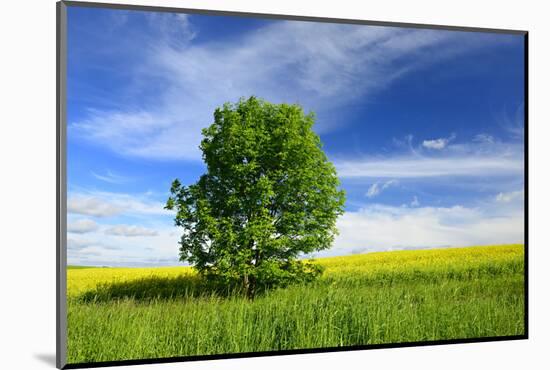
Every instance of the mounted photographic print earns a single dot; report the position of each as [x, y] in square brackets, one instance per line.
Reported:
[234, 184]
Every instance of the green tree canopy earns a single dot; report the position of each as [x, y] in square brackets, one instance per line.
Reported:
[269, 195]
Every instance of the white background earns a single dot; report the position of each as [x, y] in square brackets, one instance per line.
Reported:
[27, 186]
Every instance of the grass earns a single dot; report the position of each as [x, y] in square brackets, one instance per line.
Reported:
[387, 297]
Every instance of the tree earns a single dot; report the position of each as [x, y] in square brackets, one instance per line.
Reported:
[269, 195]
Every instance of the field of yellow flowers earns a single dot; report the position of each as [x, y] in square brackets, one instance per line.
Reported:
[385, 297]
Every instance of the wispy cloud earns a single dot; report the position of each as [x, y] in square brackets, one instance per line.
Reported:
[82, 226]
[437, 144]
[484, 138]
[510, 196]
[376, 188]
[130, 230]
[469, 159]
[331, 65]
[423, 167]
[174, 29]
[110, 177]
[513, 123]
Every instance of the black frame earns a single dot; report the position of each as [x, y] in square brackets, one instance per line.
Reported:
[61, 188]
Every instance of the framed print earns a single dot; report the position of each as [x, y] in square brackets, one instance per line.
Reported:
[234, 184]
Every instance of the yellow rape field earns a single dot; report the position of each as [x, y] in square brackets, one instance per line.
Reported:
[374, 298]
[396, 263]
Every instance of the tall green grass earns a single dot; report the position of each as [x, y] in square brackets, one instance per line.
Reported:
[391, 297]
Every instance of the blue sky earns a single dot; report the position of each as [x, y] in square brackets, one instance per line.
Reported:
[425, 127]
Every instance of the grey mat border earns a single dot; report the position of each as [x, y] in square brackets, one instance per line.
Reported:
[167, 9]
[61, 185]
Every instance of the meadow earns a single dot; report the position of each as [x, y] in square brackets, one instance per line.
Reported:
[385, 297]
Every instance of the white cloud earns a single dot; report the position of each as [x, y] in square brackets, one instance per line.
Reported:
[438, 144]
[374, 227]
[175, 29]
[508, 197]
[106, 204]
[320, 65]
[501, 163]
[91, 206]
[514, 124]
[435, 144]
[79, 245]
[82, 226]
[110, 177]
[150, 239]
[415, 202]
[75, 244]
[484, 138]
[379, 227]
[130, 230]
[99, 248]
[376, 188]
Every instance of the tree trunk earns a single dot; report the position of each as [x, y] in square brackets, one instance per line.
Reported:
[246, 283]
[251, 293]
[249, 285]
